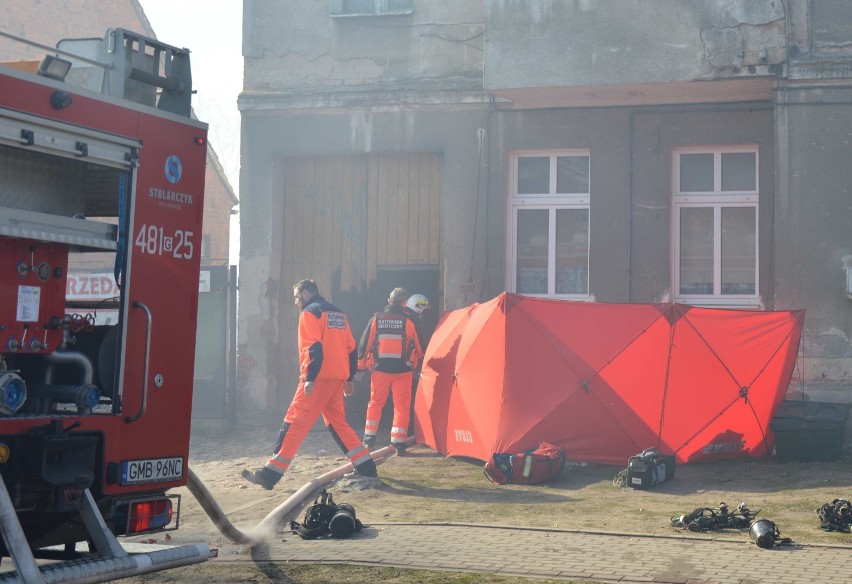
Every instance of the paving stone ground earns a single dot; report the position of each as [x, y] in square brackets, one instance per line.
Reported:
[602, 557]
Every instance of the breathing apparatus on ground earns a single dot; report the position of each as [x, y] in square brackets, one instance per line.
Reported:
[325, 518]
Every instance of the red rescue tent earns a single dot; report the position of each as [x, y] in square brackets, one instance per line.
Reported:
[605, 381]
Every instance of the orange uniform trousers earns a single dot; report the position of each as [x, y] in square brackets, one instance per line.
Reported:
[380, 385]
[326, 399]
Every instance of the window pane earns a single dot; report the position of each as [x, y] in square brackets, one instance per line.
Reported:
[534, 175]
[739, 171]
[739, 258]
[696, 173]
[400, 5]
[696, 250]
[572, 174]
[572, 251]
[532, 251]
[358, 7]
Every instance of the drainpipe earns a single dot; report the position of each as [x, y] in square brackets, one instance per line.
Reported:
[630, 205]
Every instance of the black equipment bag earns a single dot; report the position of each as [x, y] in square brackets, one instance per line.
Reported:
[649, 468]
[325, 518]
[836, 516]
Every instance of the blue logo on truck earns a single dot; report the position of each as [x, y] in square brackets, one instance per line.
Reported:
[173, 169]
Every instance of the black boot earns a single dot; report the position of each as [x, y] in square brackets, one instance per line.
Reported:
[369, 441]
[263, 477]
[401, 447]
[367, 469]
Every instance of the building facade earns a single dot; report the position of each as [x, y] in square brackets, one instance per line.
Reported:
[592, 150]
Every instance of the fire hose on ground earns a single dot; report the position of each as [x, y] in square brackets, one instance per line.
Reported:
[285, 512]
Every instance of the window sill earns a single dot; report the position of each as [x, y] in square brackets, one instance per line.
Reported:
[574, 297]
[345, 15]
[742, 303]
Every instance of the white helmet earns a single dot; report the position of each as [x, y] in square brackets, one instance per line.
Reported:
[417, 303]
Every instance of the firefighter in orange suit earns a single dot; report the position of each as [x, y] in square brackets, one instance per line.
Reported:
[390, 348]
[327, 364]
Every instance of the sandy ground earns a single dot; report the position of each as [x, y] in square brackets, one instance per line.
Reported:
[427, 487]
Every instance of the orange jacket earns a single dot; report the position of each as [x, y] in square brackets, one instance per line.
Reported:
[389, 342]
[326, 346]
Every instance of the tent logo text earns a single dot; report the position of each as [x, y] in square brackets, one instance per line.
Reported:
[464, 436]
[717, 447]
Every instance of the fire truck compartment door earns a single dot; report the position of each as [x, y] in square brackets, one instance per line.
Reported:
[59, 139]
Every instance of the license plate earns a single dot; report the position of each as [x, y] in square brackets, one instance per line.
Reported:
[151, 470]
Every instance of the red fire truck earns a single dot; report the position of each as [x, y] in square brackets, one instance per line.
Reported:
[100, 162]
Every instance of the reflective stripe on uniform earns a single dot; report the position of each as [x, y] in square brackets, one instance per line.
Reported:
[360, 459]
[371, 427]
[278, 464]
[399, 435]
[358, 450]
[358, 455]
[389, 346]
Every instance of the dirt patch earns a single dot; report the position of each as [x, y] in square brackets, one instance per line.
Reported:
[425, 487]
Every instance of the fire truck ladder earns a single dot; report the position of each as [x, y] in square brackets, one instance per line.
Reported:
[111, 563]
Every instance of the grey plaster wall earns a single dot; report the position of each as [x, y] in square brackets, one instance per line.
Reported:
[294, 44]
[317, 85]
[814, 218]
[830, 24]
[570, 43]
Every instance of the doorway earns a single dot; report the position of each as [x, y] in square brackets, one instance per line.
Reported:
[361, 306]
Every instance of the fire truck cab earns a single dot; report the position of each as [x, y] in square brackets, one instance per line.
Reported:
[101, 167]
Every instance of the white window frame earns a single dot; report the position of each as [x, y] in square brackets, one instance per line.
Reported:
[717, 200]
[379, 8]
[552, 201]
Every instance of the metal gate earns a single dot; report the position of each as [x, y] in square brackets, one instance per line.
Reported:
[214, 351]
